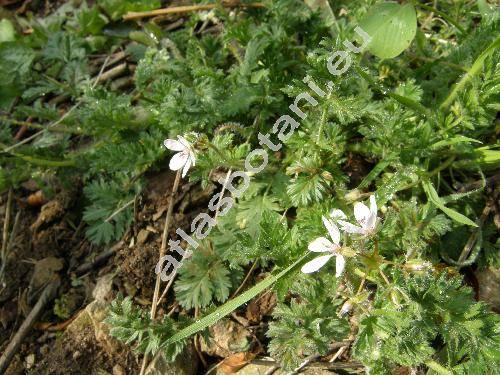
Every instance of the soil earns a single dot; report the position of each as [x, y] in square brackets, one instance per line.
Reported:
[47, 236]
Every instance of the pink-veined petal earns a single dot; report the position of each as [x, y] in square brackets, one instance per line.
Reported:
[372, 221]
[339, 265]
[332, 229]
[173, 145]
[315, 264]
[186, 167]
[192, 156]
[373, 205]
[350, 228]
[337, 214]
[320, 245]
[361, 213]
[178, 161]
[184, 142]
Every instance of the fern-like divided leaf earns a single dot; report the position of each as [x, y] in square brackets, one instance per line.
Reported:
[131, 325]
[308, 323]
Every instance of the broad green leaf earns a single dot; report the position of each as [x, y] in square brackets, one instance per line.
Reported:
[392, 28]
[7, 32]
[485, 9]
[434, 198]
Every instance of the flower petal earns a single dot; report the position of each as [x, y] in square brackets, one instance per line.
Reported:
[315, 264]
[173, 145]
[320, 245]
[184, 142]
[333, 231]
[192, 156]
[372, 221]
[186, 167]
[350, 228]
[178, 161]
[339, 265]
[362, 213]
[373, 205]
[337, 214]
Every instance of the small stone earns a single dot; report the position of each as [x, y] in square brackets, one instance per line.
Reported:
[76, 355]
[44, 350]
[103, 287]
[118, 370]
[186, 363]
[142, 237]
[227, 338]
[30, 361]
[489, 282]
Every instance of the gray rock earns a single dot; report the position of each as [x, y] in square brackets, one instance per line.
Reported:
[186, 363]
[489, 284]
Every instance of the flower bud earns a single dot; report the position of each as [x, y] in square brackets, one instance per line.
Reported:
[346, 308]
[353, 195]
[417, 266]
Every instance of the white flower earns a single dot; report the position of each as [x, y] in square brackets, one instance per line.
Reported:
[324, 245]
[337, 214]
[185, 158]
[366, 218]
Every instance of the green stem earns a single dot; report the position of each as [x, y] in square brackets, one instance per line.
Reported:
[323, 119]
[44, 162]
[441, 14]
[475, 68]
[432, 173]
[437, 367]
[417, 107]
[38, 126]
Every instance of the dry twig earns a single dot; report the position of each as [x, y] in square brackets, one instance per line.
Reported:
[47, 295]
[187, 9]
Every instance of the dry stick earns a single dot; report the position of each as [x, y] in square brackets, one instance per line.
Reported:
[474, 236]
[120, 209]
[5, 234]
[312, 358]
[244, 280]
[6, 223]
[112, 73]
[100, 259]
[47, 295]
[9, 248]
[174, 273]
[167, 287]
[187, 9]
[163, 249]
[77, 104]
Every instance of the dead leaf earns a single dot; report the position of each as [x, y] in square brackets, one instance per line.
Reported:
[36, 199]
[235, 362]
[260, 307]
[142, 237]
[226, 339]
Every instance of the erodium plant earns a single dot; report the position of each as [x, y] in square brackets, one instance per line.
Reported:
[380, 179]
[284, 128]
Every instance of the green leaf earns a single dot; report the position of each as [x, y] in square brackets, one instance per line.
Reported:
[7, 31]
[231, 305]
[453, 141]
[392, 28]
[375, 172]
[485, 9]
[434, 198]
